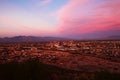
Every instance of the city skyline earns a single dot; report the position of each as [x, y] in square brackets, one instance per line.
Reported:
[62, 18]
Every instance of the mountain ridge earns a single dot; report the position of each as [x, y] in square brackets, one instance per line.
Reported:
[47, 39]
[30, 39]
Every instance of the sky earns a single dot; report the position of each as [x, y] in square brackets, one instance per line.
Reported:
[61, 18]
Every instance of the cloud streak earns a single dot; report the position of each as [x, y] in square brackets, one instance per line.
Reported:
[89, 16]
[44, 2]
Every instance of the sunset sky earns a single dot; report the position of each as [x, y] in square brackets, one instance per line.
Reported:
[61, 18]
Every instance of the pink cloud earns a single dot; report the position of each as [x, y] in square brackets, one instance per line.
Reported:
[87, 16]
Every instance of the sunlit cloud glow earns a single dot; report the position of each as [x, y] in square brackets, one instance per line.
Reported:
[66, 18]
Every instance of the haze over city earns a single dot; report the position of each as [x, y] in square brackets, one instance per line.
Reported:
[61, 18]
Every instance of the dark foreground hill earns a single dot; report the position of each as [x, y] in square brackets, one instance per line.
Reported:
[35, 70]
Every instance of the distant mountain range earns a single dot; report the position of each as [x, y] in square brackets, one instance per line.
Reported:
[30, 39]
[46, 39]
[113, 37]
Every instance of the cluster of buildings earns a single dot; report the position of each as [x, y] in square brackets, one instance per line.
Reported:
[21, 52]
[51, 51]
